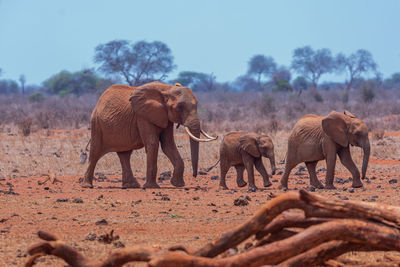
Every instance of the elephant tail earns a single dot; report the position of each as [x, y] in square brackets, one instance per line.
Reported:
[86, 148]
[212, 167]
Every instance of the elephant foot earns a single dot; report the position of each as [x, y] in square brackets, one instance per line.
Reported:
[177, 182]
[330, 187]
[151, 185]
[267, 184]
[317, 185]
[241, 183]
[133, 184]
[283, 187]
[357, 184]
[86, 184]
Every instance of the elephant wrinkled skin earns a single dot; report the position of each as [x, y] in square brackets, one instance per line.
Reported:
[244, 151]
[315, 138]
[128, 118]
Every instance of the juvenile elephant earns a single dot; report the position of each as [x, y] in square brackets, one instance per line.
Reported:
[315, 138]
[127, 118]
[244, 150]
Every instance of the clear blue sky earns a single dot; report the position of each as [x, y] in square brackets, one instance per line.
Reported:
[39, 38]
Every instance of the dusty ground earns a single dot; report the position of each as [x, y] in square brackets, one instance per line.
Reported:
[191, 216]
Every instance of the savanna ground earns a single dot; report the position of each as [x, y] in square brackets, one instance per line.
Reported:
[57, 130]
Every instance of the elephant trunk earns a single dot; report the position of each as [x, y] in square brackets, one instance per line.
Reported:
[366, 149]
[194, 128]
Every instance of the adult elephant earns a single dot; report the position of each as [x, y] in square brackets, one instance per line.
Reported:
[315, 138]
[128, 118]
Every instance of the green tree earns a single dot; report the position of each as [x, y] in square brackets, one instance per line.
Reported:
[8, 87]
[136, 63]
[393, 82]
[261, 66]
[312, 64]
[300, 84]
[281, 79]
[78, 83]
[355, 65]
[197, 81]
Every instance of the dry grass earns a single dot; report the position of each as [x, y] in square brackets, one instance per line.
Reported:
[59, 131]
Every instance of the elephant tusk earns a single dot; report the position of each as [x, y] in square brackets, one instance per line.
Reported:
[206, 135]
[195, 138]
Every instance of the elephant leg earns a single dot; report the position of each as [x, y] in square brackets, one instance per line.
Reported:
[169, 148]
[330, 173]
[261, 169]
[94, 156]
[150, 135]
[128, 181]
[239, 178]
[249, 165]
[224, 166]
[285, 177]
[347, 161]
[313, 175]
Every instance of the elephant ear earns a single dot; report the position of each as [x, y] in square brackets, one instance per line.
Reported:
[248, 143]
[348, 113]
[149, 103]
[335, 126]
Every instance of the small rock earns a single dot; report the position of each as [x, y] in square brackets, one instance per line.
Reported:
[196, 198]
[165, 198]
[77, 200]
[215, 177]
[252, 190]
[164, 176]
[202, 172]
[393, 181]
[241, 201]
[118, 244]
[15, 170]
[351, 190]
[91, 236]
[102, 222]
[62, 200]
[343, 198]
[215, 211]
[46, 188]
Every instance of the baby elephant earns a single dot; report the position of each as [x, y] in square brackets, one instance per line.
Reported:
[243, 150]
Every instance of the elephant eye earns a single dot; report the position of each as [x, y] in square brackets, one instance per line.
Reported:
[180, 106]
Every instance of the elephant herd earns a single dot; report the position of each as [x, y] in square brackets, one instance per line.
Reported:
[128, 118]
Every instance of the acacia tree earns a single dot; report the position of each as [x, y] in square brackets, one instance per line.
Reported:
[355, 65]
[261, 66]
[136, 63]
[312, 64]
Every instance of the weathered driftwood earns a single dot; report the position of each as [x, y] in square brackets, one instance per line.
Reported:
[332, 227]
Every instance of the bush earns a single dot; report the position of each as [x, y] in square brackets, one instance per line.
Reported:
[25, 125]
[36, 97]
[368, 91]
[318, 97]
[267, 104]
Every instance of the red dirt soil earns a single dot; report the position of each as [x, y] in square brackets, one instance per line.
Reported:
[191, 216]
